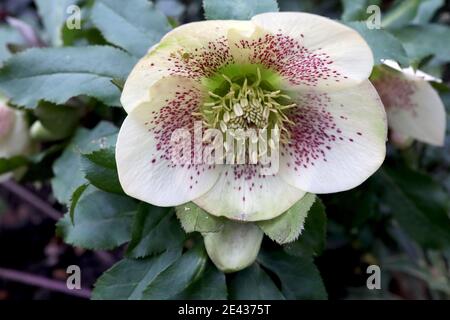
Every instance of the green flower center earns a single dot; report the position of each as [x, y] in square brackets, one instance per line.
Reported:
[245, 97]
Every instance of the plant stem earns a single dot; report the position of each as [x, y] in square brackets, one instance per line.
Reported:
[38, 281]
[32, 199]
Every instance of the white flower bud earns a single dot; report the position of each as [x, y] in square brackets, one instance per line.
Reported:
[235, 247]
[14, 134]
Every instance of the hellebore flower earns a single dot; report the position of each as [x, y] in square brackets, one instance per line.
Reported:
[14, 135]
[414, 109]
[300, 77]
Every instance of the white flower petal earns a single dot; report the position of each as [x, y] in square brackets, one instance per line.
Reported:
[17, 141]
[137, 86]
[242, 193]
[410, 71]
[337, 142]
[392, 64]
[143, 151]
[399, 140]
[7, 118]
[193, 50]
[414, 109]
[313, 51]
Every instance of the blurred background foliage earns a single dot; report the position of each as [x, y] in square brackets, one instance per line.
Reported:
[398, 219]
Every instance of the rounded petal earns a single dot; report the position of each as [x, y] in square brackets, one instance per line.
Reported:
[193, 50]
[137, 86]
[399, 140]
[200, 33]
[244, 193]
[235, 247]
[414, 109]
[312, 51]
[337, 142]
[17, 141]
[410, 71]
[144, 147]
[7, 118]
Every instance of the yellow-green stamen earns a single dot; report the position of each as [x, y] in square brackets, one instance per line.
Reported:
[247, 105]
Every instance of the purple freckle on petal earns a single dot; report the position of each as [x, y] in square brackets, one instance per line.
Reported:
[176, 114]
[291, 59]
[396, 92]
[313, 133]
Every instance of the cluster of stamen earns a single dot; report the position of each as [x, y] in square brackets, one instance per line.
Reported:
[247, 106]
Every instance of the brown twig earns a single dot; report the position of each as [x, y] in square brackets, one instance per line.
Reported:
[45, 208]
[38, 281]
[32, 199]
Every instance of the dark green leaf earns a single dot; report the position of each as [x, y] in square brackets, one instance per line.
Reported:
[39, 133]
[67, 169]
[54, 14]
[119, 83]
[155, 229]
[48, 152]
[193, 218]
[75, 198]
[179, 276]
[419, 205]
[128, 278]
[135, 27]
[313, 238]
[299, 277]
[253, 284]
[356, 10]
[8, 35]
[237, 9]
[87, 35]
[210, 286]
[383, 44]
[288, 226]
[365, 206]
[304, 5]
[101, 221]
[11, 164]
[427, 10]
[402, 13]
[100, 170]
[425, 40]
[58, 74]
[39, 164]
[103, 157]
[60, 121]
